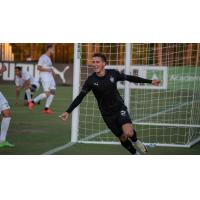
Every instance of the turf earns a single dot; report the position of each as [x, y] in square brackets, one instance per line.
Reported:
[34, 133]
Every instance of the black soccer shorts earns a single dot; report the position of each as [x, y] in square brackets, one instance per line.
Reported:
[116, 121]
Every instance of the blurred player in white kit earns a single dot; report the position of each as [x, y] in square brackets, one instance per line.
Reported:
[5, 113]
[24, 80]
[48, 83]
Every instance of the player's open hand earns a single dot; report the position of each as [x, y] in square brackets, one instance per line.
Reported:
[64, 116]
[156, 82]
[3, 69]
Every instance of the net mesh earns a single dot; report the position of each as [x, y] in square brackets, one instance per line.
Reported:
[168, 114]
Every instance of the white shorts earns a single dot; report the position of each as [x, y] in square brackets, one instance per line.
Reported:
[3, 103]
[48, 84]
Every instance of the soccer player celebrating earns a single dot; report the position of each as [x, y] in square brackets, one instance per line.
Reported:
[103, 83]
[48, 83]
[6, 117]
[23, 79]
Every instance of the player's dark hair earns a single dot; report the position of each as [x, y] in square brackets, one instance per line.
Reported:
[48, 46]
[19, 68]
[100, 55]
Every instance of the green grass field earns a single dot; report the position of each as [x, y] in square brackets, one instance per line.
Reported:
[35, 133]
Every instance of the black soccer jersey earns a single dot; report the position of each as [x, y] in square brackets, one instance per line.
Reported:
[105, 91]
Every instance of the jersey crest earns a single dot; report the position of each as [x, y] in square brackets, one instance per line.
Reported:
[112, 79]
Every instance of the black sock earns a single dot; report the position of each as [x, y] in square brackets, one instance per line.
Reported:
[128, 145]
[134, 137]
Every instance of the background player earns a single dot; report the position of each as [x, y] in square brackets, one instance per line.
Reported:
[5, 113]
[47, 80]
[24, 80]
[103, 83]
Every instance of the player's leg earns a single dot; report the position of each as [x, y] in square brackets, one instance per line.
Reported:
[33, 89]
[112, 124]
[49, 101]
[45, 85]
[125, 122]
[26, 103]
[50, 97]
[36, 100]
[127, 144]
[28, 94]
[6, 117]
[129, 132]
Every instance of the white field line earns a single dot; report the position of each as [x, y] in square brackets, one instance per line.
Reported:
[65, 146]
[147, 144]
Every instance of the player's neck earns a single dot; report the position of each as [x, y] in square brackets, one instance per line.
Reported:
[101, 73]
[48, 54]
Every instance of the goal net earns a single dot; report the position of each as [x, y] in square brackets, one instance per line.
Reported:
[165, 115]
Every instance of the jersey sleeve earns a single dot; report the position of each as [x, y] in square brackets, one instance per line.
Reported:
[120, 76]
[130, 78]
[86, 86]
[85, 89]
[42, 61]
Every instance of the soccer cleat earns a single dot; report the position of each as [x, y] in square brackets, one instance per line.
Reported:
[6, 144]
[48, 112]
[30, 105]
[140, 147]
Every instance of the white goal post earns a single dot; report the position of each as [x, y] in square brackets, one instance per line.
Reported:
[167, 115]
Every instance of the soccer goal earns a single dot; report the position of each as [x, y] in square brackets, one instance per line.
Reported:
[165, 115]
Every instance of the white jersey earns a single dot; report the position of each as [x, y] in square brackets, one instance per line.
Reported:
[45, 62]
[3, 103]
[19, 81]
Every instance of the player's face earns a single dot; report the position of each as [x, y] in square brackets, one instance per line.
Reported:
[18, 72]
[52, 50]
[98, 64]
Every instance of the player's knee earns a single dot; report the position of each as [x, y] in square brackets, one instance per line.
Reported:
[47, 93]
[6, 113]
[123, 138]
[128, 132]
[53, 92]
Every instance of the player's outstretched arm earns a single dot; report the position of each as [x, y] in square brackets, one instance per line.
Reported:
[64, 116]
[136, 79]
[86, 88]
[17, 94]
[3, 69]
[156, 82]
[44, 69]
